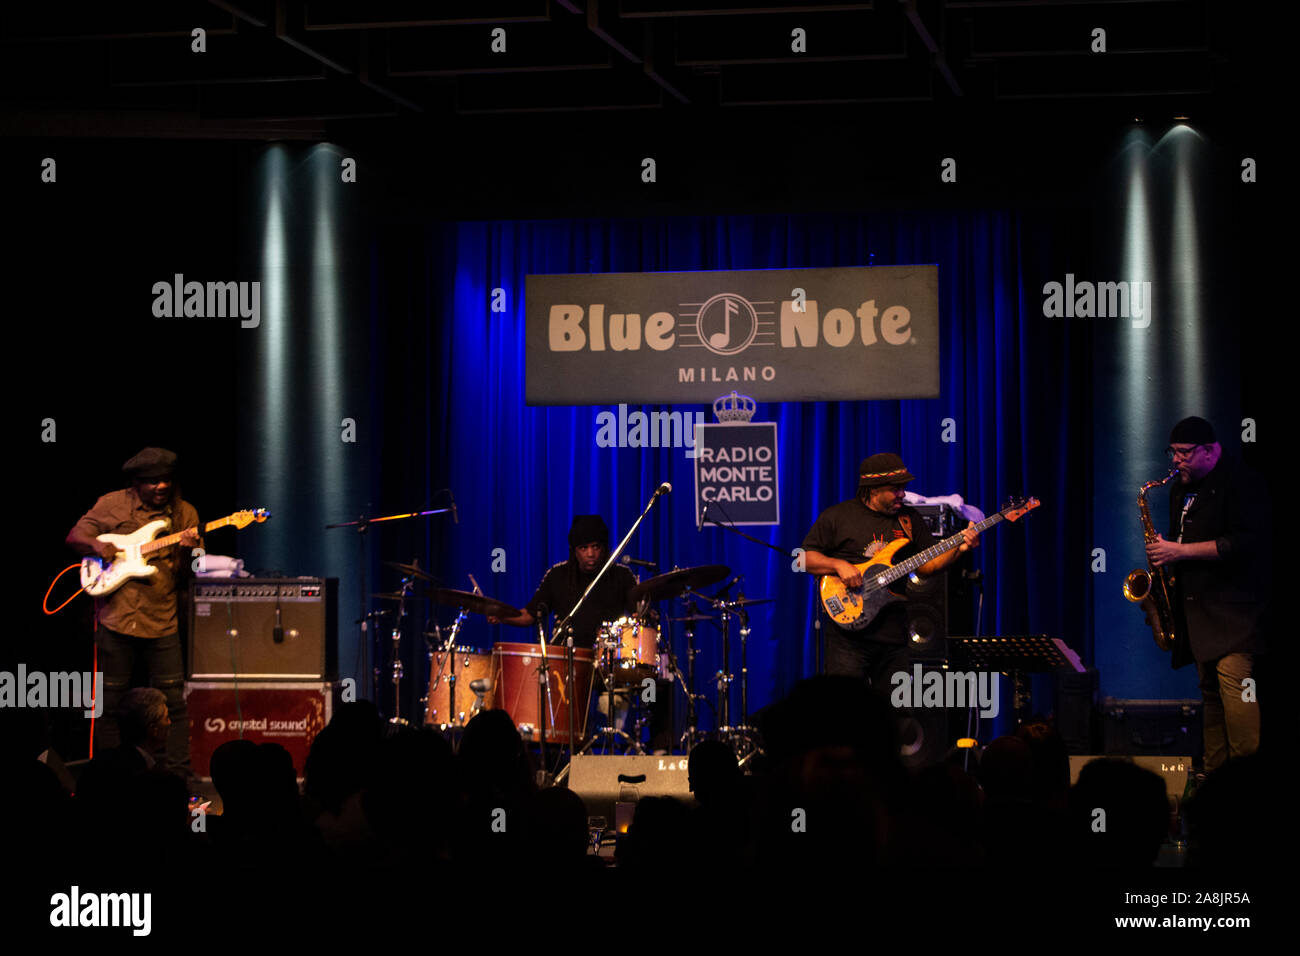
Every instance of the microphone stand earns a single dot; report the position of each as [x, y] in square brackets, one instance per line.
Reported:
[612, 558]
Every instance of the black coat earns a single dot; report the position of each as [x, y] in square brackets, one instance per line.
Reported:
[1222, 603]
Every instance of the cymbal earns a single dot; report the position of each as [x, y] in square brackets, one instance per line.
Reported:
[476, 603]
[746, 602]
[411, 569]
[399, 596]
[673, 583]
[695, 617]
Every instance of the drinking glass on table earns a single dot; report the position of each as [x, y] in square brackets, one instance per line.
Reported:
[595, 829]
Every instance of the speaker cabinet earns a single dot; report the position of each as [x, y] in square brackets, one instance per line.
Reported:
[1172, 770]
[288, 714]
[1152, 727]
[233, 629]
[599, 780]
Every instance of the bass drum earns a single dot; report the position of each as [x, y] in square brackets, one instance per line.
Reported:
[470, 664]
[515, 689]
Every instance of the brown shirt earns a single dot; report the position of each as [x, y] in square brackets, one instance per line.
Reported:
[143, 607]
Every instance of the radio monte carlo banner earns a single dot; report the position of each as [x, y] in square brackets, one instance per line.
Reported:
[687, 337]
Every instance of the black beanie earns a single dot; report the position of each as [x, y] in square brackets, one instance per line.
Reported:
[1192, 431]
[586, 529]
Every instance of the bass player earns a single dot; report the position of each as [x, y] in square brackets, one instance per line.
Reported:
[850, 532]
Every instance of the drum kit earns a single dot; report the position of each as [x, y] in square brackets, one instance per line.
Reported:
[629, 651]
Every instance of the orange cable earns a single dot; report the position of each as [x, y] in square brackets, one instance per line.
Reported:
[45, 603]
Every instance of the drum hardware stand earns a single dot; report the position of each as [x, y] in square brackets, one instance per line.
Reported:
[741, 737]
[611, 728]
[397, 718]
[692, 733]
[362, 524]
[543, 695]
[448, 655]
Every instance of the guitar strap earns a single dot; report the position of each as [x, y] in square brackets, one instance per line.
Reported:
[906, 522]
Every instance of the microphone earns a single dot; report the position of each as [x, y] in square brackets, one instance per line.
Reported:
[703, 514]
[663, 489]
[628, 559]
[455, 515]
[481, 685]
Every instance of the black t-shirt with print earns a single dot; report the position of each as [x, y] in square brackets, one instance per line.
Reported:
[847, 531]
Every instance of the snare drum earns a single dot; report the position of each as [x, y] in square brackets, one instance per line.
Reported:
[470, 664]
[635, 642]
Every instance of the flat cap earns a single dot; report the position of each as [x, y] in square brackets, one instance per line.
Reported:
[151, 463]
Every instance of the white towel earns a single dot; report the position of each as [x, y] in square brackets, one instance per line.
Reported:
[220, 566]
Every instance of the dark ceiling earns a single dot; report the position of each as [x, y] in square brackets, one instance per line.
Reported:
[276, 69]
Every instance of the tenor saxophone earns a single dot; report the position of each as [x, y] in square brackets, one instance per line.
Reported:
[1149, 586]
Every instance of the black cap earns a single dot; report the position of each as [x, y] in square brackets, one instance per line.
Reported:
[586, 529]
[883, 469]
[151, 463]
[1192, 431]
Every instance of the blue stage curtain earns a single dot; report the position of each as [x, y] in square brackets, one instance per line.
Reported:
[1015, 387]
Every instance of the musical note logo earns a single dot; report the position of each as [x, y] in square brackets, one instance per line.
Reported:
[737, 318]
[720, 340]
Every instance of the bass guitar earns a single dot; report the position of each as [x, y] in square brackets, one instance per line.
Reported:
[135, 548]
[883, 576]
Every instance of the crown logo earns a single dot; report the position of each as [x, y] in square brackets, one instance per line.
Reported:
[734, 408]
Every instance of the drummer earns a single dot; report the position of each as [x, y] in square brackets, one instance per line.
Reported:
[565, 582]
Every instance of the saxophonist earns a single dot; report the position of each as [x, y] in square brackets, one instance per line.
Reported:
[1219, 553]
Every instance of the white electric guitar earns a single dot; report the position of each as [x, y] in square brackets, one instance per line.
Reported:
[136, 547]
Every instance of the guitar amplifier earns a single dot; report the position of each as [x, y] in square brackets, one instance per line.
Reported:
[233, 629]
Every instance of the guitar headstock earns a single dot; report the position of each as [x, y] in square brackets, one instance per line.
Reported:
[242, 519]
[1019, 507]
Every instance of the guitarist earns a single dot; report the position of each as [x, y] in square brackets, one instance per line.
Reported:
[849, 533]
[140, 618]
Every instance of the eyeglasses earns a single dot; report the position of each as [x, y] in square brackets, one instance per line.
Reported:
[1174, 454]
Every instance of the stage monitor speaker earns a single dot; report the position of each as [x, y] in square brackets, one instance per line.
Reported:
[599, 780]
[1173, 770]
[262, 629]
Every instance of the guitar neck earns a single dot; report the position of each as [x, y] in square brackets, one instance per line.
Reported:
[943, 547]
[157, 544]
